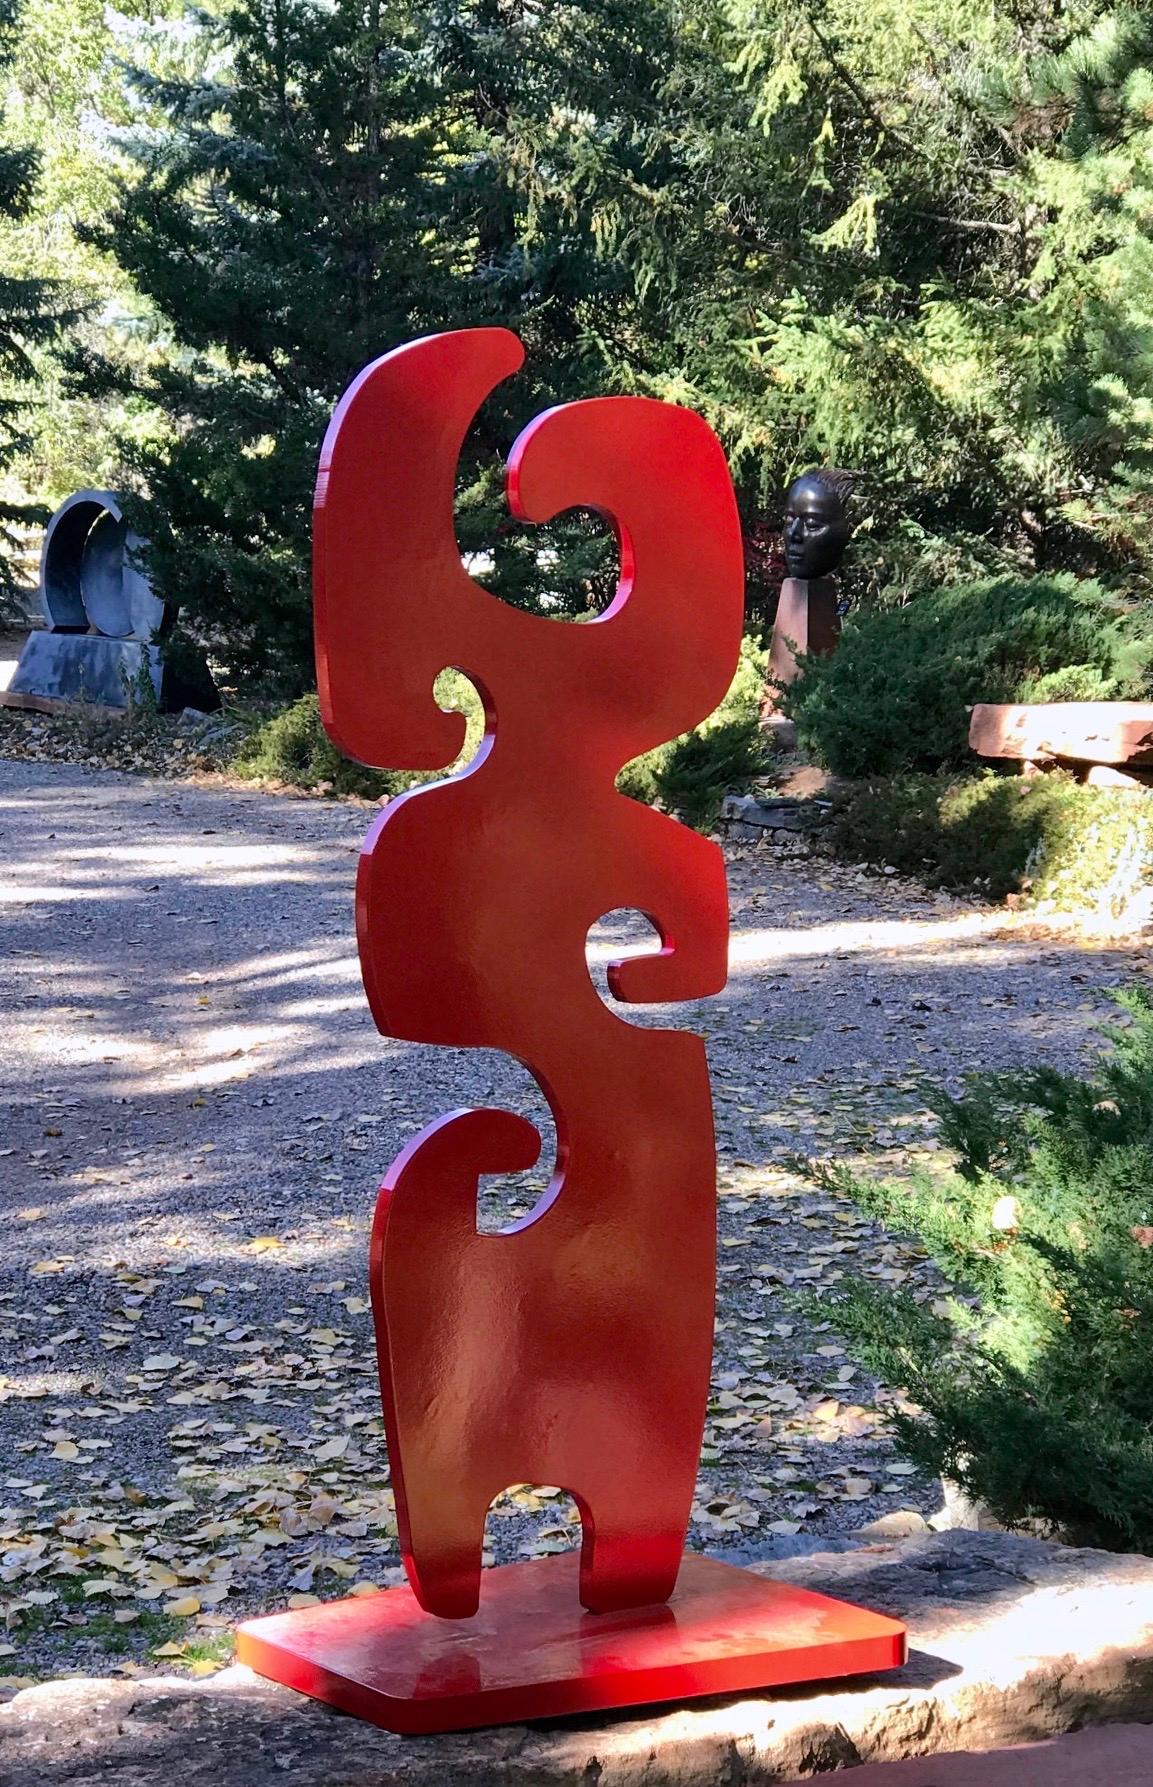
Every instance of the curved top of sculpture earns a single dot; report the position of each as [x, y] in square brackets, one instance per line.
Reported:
[816, 522]
[88, 581]
[654, 470]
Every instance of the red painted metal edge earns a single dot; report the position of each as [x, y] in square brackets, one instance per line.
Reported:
[531, 1653]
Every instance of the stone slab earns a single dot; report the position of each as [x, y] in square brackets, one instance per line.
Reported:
[64, 672]
[1116, 732]
[84, 668]
[773, 814]
[1109, 1756]
[1014, 1641]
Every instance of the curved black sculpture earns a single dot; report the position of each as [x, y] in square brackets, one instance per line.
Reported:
[89, 581]
[103, 622]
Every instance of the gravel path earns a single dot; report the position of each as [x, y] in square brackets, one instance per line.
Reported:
[200, 1111]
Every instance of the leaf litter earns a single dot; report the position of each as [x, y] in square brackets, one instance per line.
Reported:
[189, 1444]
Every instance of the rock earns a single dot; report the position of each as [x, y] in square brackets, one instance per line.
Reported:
[190, 718]
[782, 732]
[744, 808]
[902, 1523]
[1013, 1640]
[1115, 732]
[788, 819]
[806, 782]
[961, 1513]
[785, 816]
[1102, 775]
[1113, 1756]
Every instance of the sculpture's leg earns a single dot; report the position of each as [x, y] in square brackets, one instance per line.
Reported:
[624, 1564]
[439, 1339]
[442, 1548]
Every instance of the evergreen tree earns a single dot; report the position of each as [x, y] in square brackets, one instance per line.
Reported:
[66, 100]
[340, 179]
[1032, 1379]
[30, 312]
[910, 236]
[934, 267]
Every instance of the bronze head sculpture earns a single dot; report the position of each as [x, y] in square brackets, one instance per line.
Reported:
[816, 522]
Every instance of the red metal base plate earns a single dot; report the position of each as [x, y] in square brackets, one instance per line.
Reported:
[532, 1652]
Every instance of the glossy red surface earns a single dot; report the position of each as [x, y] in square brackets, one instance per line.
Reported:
[531, 1654]
[573, 1349]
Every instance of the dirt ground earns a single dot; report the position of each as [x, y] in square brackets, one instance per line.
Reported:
[200, 1110]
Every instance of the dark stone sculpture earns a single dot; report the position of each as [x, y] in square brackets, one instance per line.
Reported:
[816, 523]
[99, 646]
[808, 619]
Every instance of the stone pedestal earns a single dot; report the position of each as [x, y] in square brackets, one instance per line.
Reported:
[807, 621]
[61, 672]
[1012, 1640]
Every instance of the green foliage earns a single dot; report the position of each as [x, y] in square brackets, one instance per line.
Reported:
[1067, 847]
[701, 768]
[913, 237]
[322, 183]
[691, 775]
[1033, 1377]
[31, 312]
[66, 100]
[895, 694]
[293, 747]
[931, 259]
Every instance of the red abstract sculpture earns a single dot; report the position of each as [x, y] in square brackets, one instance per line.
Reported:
[574, 1347]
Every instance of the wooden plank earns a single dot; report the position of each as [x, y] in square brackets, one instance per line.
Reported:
[1117, 732]
[56, 704]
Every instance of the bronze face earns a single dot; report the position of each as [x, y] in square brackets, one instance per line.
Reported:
[816, 526]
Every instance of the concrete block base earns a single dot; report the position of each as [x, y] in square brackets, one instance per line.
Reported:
[1013, 1641]
[63, 672]
[59, 670]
